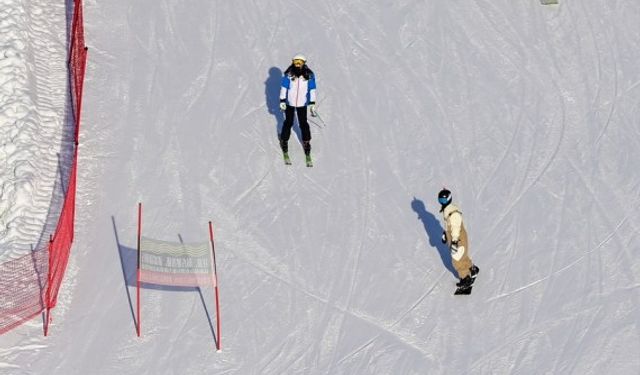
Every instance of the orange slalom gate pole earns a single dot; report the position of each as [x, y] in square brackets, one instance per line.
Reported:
[215, 285]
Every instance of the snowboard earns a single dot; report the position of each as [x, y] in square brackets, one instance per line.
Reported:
[463, 290]
[466, 290]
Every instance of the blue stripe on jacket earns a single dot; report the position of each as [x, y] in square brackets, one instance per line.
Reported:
[286, 82]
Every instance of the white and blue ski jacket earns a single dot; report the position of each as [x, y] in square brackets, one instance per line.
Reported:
[298, 91]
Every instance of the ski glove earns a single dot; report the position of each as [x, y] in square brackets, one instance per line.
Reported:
[312, 109]
[444, 237]
[283, 106]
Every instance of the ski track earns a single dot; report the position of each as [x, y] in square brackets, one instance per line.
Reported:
[554, 258]
[514, 202]
[568, 266]
[354, 259]
[613, 229]
[597, 54]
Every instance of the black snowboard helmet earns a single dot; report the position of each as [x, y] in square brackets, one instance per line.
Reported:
[444, 198]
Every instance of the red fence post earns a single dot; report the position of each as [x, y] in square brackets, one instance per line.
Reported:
[138, 329]
[48, 294]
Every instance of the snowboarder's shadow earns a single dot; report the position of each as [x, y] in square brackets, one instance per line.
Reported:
[272, 98]
[129, 264]
[434, 232]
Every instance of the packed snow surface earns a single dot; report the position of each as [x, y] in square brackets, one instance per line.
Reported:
[528, 113]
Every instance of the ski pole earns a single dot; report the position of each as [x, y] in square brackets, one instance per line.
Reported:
[324, 124]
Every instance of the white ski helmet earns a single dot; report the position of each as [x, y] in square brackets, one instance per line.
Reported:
[299, 57]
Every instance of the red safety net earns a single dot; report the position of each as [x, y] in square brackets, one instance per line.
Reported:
[22, 286]
[77, 62]
[60, 245]
[30, 284]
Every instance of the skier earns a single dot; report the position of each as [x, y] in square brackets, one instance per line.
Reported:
[455, 236]
[297, 92]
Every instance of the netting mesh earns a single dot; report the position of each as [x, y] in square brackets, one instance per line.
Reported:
[77, 61]
[60, 246]
[22, 288]
[175, 264]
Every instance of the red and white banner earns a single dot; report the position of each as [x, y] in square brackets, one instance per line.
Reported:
[174, 263]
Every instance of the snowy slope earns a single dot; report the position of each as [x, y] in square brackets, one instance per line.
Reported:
[33, 93]
[528, 113]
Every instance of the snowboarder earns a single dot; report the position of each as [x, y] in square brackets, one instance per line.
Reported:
[455, 236]
[297, 92]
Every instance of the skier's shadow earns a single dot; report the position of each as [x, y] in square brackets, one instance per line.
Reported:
[129, 266]
[272, 98]
[434, 232]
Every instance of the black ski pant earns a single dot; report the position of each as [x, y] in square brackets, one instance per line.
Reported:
[304, 127]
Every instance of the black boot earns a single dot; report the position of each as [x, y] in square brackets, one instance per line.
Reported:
[467, 281]
[284, 145]
[474, 270]
[306, 145]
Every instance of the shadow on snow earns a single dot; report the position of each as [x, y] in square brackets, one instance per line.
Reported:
[434, 233]
[272, 99]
